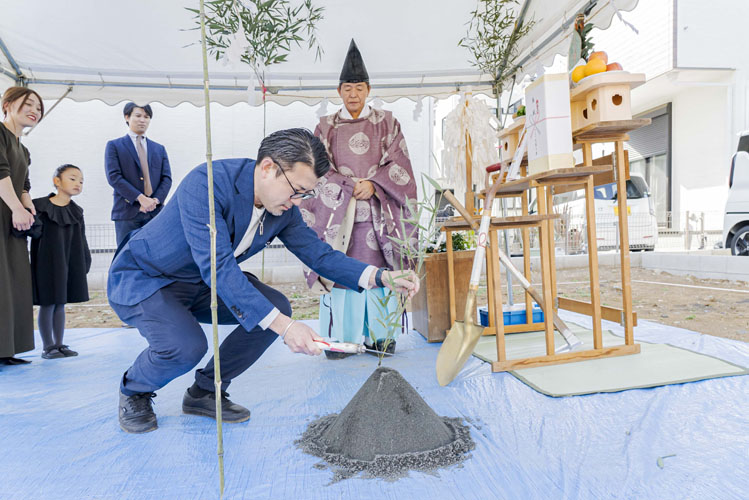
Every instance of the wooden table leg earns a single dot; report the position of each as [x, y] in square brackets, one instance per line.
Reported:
[491, 285]
[450, 275]
[499, 323]
[587, 154]
[621, 199]
[595, 291]
[552, 247]
[527, 259]
[545, 271]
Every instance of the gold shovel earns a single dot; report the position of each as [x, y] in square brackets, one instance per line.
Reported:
[456, 349]
[462, 338]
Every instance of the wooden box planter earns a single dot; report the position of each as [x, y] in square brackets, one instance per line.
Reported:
[431, 306]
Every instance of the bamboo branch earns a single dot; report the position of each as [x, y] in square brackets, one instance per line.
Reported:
[409, 258]
[212, 231]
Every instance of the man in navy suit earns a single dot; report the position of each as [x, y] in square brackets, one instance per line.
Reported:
[159, 279]
[138, 170]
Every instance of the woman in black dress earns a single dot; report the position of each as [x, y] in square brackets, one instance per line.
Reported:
[60, 259]
[21, 108]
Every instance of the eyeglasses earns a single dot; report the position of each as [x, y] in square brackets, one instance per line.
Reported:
[298, 195]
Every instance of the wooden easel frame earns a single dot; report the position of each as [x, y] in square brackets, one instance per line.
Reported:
[587, 176]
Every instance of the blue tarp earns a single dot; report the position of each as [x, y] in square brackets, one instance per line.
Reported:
[60, 437]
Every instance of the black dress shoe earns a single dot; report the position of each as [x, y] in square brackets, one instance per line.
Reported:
[380, 346]
[14, 361]
[205, 405]
[52, 353]
[67, 351]
[136, 413]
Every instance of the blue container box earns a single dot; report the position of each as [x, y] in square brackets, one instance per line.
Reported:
[512, 317]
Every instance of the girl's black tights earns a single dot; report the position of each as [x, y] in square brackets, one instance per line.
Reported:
[52, 325]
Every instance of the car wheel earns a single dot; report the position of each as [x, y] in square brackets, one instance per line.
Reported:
[740, 242]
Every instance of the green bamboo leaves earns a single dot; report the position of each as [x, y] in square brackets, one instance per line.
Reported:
[492, 38]
[270, 27]
[583, 31]
[418, 223]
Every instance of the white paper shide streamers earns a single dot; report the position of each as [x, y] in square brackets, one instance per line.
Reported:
[238, 46]
[471, 117]
[418, 108]
[323, 109]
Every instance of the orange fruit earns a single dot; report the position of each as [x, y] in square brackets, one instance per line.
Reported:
[599, 55]
[594, 66]
[614, 67]
[578, 73]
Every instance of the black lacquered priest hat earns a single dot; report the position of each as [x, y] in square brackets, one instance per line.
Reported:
[353, 70]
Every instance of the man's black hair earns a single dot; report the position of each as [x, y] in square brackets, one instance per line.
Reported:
[129, 107]
[295, 145]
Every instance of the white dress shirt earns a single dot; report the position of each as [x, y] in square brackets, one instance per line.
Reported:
[257, 215]
[134, 137]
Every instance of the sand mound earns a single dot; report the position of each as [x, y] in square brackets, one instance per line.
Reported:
[386, 429]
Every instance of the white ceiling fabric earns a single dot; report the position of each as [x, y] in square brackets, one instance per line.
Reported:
[145, 51]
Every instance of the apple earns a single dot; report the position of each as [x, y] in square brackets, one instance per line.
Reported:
[614, 67]
[599, 55]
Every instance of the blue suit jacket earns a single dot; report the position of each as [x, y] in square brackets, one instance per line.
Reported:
[175, 246]
[126, 177]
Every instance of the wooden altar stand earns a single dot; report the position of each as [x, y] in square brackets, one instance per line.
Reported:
[614, 168]
[612, 132]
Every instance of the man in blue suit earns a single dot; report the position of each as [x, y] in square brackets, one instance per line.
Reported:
[159, 279]
[138, 170]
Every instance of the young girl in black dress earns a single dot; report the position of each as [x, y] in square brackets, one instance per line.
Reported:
[60, 259]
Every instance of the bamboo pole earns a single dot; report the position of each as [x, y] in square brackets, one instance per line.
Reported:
[212, 231]
[469, 175]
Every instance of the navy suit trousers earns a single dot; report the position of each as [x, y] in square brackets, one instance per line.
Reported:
[123, 227]
[170, 322]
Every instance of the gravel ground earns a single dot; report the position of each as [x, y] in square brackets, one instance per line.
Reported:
[713, 307]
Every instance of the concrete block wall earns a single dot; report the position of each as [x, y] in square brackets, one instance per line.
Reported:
[704, 266]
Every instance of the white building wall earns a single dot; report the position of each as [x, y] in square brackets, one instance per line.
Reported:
[712, 34]
[78, 132]
[699, 144]
[716, 36]
[648, 51]
[709, 108]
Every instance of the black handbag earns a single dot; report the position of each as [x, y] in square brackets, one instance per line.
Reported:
[35, 231]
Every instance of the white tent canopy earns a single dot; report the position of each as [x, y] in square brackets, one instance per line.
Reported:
[145, 50]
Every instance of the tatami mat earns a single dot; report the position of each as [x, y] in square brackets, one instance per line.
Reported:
[655, 365]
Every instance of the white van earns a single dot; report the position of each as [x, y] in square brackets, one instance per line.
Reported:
[736, 218]
[643, 225]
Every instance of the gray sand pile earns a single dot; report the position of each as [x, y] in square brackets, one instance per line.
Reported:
[386, 430]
